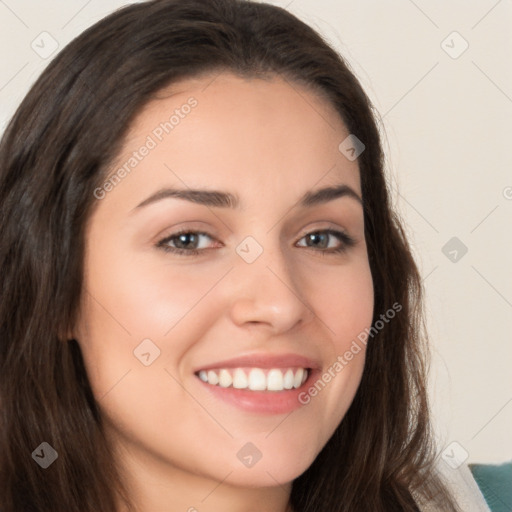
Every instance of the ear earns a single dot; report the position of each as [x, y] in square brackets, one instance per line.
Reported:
[66, 334]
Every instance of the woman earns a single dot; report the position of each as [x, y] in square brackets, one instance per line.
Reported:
[208, 303]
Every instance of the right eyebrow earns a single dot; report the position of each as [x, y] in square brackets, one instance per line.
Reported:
[205, 197]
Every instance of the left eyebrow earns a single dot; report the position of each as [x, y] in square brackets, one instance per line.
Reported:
[221, 199]
[327, 194]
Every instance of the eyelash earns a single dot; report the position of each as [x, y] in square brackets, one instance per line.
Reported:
[347, 242]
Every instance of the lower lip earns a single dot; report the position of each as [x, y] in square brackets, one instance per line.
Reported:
[261, 402]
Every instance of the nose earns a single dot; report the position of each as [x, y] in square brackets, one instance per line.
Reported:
[267, 292]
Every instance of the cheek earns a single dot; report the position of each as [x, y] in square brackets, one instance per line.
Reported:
[343, 300]
[135, 306]
[149, 296]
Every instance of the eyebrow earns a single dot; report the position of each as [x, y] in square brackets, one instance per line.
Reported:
[219, 199]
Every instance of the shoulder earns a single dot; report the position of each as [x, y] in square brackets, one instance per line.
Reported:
[463, 487]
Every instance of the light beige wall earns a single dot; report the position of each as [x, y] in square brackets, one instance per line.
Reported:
[448, 134]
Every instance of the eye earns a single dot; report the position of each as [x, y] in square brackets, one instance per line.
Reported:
[189, 243]
[185, 242]
[322, 239]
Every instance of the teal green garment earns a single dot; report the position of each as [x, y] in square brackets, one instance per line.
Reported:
[495, 482]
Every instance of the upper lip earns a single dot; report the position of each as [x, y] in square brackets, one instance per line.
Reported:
[264, 361]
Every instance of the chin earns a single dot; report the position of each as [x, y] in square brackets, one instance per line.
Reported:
[267, 463]
[268, 475]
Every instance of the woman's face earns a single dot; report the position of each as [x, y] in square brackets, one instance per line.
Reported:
[262, 291]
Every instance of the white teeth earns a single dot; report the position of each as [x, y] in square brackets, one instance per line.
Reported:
[225, 379]
[297, 381]
[240, 379]
[213, 378]
[256, 379]
[275, 380]
[288, 379]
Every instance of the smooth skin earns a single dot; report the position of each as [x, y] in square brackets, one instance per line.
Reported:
[267, 142]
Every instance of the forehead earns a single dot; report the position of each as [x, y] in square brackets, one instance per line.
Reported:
[222, 130]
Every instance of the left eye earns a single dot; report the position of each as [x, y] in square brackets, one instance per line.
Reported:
[189, 242]
[321, 240]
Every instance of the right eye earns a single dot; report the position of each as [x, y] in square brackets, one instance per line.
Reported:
[184, 242]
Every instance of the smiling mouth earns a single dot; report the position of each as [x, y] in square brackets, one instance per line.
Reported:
[255, 379]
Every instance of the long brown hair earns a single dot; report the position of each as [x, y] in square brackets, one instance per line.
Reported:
[57, 149]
